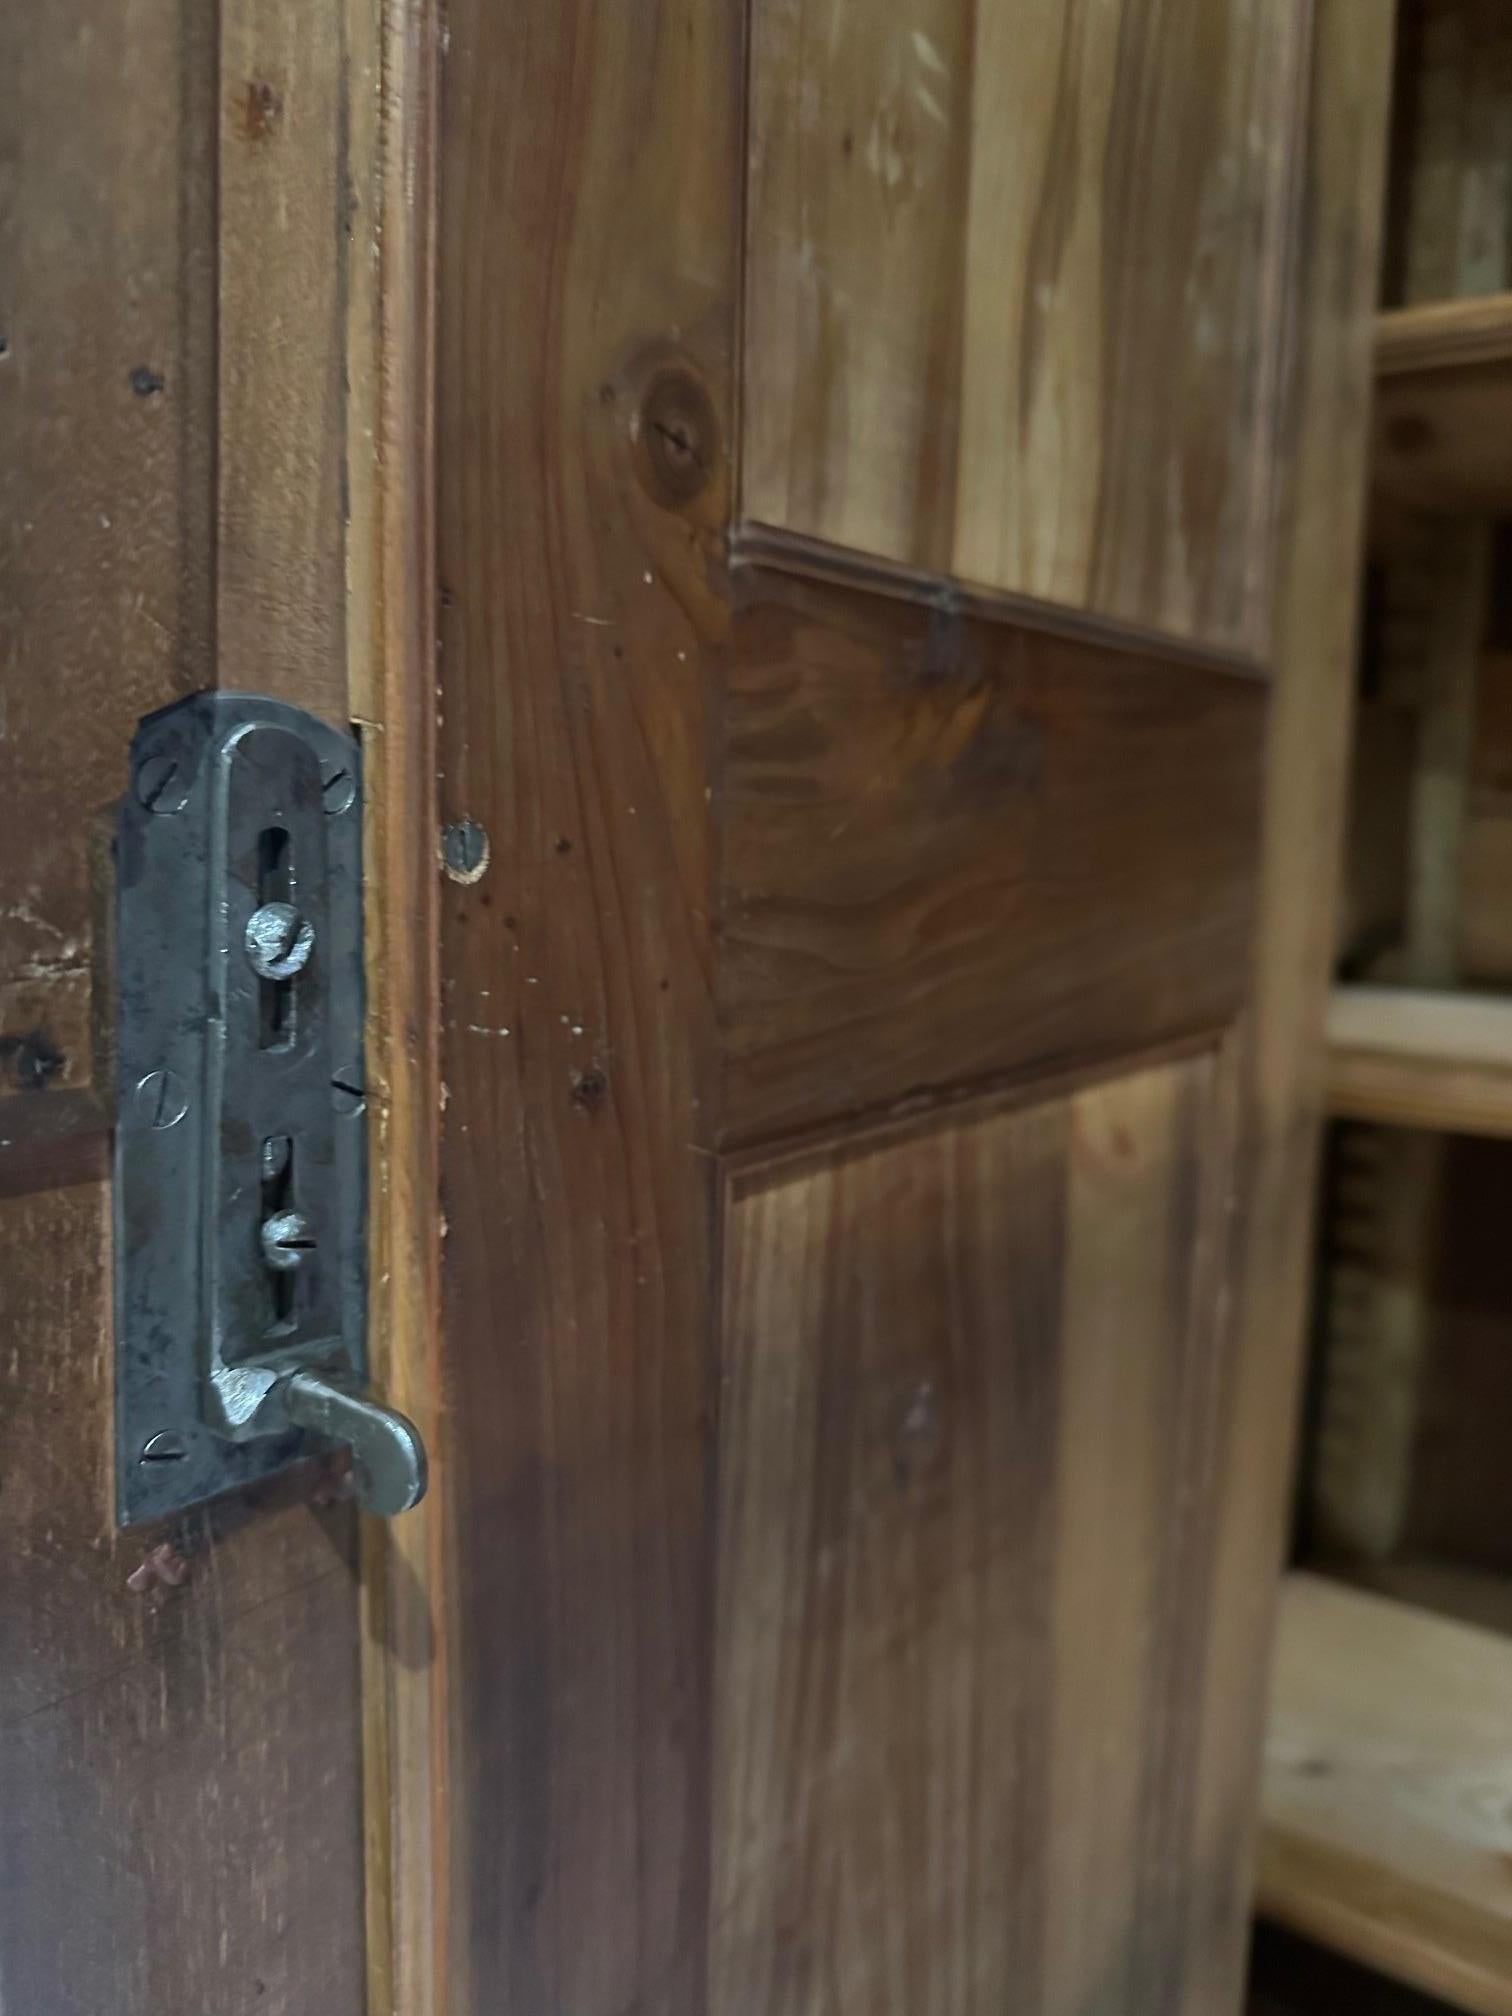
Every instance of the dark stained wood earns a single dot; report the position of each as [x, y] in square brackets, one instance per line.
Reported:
[182, 1829]
[104, 424]
[587, 241]
[286, 194]
[953, 848]
[972, 1467]
[179, 1752]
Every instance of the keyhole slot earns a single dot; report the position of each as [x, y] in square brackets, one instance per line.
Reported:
[277, 999]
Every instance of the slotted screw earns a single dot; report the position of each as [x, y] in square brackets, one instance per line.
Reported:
[286, 1238]
[160, 783]
[279, 941]
[162, 1099]
[338, 788]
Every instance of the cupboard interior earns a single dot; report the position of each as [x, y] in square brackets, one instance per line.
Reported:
[1387, 1831]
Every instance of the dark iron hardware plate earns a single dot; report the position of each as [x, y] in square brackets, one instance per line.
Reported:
[240, 1136]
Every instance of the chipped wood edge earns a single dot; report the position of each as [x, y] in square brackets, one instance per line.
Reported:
[392, 85]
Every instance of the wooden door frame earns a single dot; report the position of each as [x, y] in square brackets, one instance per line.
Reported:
[395, 49]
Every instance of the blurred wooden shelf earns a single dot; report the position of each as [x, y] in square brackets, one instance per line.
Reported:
[1409, 1057]
[1444, 335]
[1387, 1804]
[1443, 421]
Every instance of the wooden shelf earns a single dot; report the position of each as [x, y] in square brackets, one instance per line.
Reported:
[1444, 335]
[1443, 422]
[1387, 1805]
[1412, 1058]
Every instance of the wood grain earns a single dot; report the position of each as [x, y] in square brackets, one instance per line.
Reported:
[1443, 335]
[1442, 442]
[1421, 1058]
[1388, 1776]
[180, 1756]
[283, 224]
[954, 848]
[104, 587]
[1015, 282]
[587, 253]
[179, 1767]
[390, 556]
[971, 1436]
[1307, 765]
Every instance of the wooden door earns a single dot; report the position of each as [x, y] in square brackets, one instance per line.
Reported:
[881, 473]
[816, 515]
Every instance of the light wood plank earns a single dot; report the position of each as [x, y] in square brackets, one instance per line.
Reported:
[1413, 1057]
[1015, 297]
[390, 558]
[1307, 766]
[1444, 335]
[972, 1472]
[1388, 1791]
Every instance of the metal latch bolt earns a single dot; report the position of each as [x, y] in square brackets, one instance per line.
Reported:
[241, 1128]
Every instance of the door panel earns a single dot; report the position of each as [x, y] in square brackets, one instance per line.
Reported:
[966, 1504]
[955, 845]
[1013, 302]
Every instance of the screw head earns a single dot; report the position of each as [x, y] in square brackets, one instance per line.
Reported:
[286, 1238]
[161, 782]
[348, 1094]
[165, 1447]
[464, 850]
[279, 941]
[162, 1099]
[338, 788]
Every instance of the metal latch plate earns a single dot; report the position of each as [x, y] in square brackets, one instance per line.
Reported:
[240, 1139]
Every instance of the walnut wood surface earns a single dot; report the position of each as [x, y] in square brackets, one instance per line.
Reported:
[772, 857]
[1014, 305]
[179, 1751]
[975, 1424]
[954, 848]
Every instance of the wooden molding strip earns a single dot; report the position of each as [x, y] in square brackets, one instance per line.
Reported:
[1443, 335]
[391, 607]
[755, 546]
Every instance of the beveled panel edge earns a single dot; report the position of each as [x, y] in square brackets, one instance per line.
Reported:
[754, 546]
[747, 1166]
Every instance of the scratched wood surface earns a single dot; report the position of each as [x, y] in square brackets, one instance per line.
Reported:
[975, 1428]
[1015, 279]
[179, 1744]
